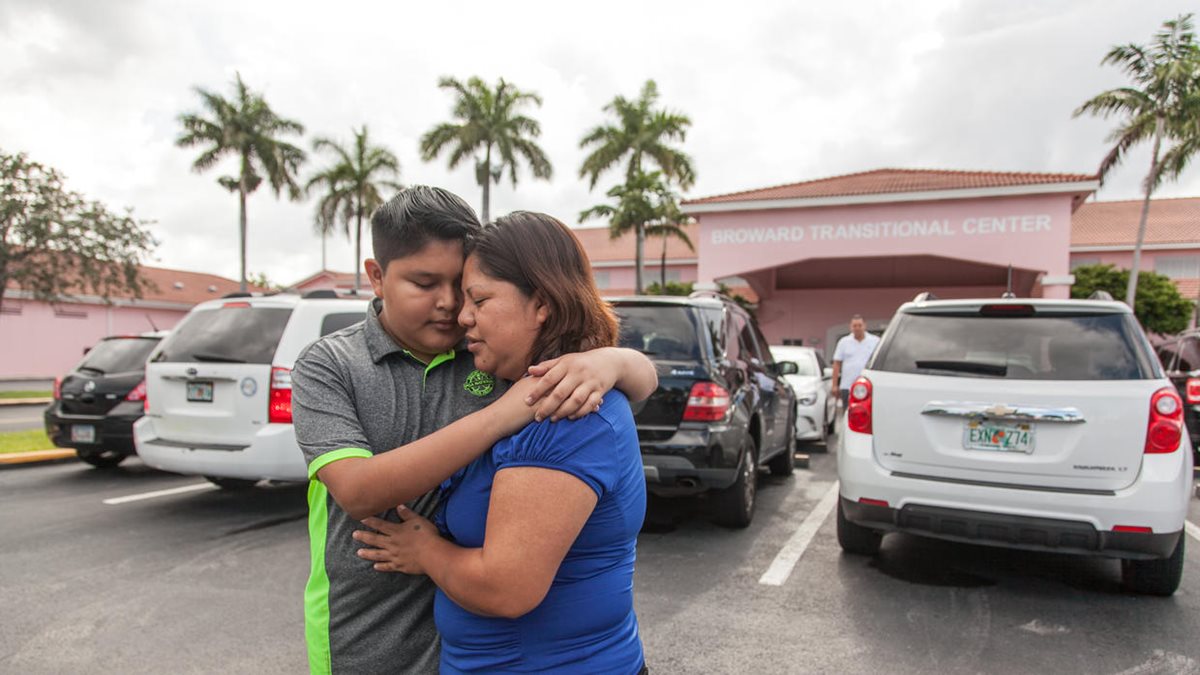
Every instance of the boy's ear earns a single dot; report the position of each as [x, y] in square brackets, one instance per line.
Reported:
[374, 275]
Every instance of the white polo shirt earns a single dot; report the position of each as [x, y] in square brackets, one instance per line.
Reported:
[854, 356]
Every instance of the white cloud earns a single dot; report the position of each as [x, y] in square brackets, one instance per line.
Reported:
[778, 92]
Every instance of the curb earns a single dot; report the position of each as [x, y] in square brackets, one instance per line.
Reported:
[37, 456]
[25, 401]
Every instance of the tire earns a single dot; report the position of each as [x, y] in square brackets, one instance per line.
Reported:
[735, 504]
[1154, 577]
[102, 459]
[231, 483]
[784, 464]
[854, 538]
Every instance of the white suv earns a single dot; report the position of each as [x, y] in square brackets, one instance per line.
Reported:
[1031, 424]
[219, 389]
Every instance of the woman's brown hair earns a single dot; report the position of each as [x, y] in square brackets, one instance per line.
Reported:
[541, 256]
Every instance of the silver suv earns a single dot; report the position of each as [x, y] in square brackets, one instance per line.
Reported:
[219, 389]
[1028, 424]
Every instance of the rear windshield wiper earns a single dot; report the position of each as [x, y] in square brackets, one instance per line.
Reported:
[92, 369]
[978, 367]
[216, 358]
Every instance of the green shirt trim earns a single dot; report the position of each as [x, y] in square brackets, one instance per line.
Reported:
[330, 457]
[437, 361]
[316, 591]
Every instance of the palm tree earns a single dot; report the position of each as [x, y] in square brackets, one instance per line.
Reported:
[645, 205]
[1156, 107]
[669, 225]
[641, 133]
[352, 187]
[489, 123]
[247, 129]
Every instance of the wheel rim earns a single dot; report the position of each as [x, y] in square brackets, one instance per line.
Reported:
[749, 486]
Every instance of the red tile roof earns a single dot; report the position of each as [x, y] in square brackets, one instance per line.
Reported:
[1171, 221]
[883, 181]
[160, 286]
[600, 248]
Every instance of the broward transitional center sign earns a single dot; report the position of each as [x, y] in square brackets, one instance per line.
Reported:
[970, 226]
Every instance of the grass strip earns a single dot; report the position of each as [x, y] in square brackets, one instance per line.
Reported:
[26, 394]
[24, 441]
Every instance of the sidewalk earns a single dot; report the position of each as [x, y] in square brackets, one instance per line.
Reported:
[37, 456]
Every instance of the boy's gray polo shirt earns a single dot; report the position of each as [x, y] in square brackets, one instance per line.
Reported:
[356, 393]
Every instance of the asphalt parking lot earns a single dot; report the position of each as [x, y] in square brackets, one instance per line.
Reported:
[135, 570]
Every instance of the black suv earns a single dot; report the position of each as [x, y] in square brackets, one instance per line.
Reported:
[722, 407]
[96, 404]
[1180, 356]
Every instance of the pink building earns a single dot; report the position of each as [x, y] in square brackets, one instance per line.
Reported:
[44, 340]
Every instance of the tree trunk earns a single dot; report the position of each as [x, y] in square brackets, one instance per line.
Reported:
[324, 238]
[662, 268]
[242, 227]
[358, 252]
[641, 247]
[1131, 291]
[487, 184]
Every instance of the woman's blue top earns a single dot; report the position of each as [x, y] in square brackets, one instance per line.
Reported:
[586, 622]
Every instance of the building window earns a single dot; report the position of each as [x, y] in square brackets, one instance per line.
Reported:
[601, 278]
[1178, 266]
[1080, 262]
[68, 312]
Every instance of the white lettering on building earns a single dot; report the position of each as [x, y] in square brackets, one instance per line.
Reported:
[973, 226]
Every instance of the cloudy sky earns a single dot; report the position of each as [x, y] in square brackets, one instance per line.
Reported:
[778, 92]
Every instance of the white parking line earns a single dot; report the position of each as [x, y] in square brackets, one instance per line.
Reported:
[1192, 529]
[781, 568]
[160, 493]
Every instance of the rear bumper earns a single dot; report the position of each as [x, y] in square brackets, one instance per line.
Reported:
[272, 453]
[1012, 517]
[695, 458]
[114, 431]
[1009, 531]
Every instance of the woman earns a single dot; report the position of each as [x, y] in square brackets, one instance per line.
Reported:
[536, 572]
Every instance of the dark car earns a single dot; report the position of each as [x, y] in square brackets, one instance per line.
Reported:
[722, 407]
[96, 404]
[1180, 356]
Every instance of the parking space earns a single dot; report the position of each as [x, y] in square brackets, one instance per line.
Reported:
[144, 571]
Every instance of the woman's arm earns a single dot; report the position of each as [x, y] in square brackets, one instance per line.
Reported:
[534, 516]
[572, 386]
[365, 486]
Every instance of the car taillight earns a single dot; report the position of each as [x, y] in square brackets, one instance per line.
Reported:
[279, 407]
[707, 402]
[58, 389]
[1193, 390]
[138, 393]
[858, 414]
[1165, 428]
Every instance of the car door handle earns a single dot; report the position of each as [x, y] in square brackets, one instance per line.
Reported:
[999, 411]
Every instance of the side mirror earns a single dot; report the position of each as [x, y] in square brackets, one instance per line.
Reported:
[827, 373]
[786, 367]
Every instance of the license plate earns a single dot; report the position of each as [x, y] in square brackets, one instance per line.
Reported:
[83, 433]
[998, 437]
[201, 392]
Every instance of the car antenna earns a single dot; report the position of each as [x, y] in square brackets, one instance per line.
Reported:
[1008, 291]
[151, 322]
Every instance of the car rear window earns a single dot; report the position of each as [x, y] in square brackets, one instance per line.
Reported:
[1063, 347]
[119, 355]
[226, 335]
[335, 322]
[663, 332]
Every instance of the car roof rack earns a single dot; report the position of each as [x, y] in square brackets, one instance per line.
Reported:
[924, 296]
[1100, 294]
[321, 293]
[238, 294]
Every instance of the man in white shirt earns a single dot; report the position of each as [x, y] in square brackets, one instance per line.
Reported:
[851, 356]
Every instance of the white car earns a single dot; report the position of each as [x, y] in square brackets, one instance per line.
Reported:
[816, 410]
[1030, 424]
[219, 389]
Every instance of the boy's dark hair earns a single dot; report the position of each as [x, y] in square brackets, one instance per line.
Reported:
[406, 222]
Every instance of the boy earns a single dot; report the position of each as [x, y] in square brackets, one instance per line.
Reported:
[385, 383]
